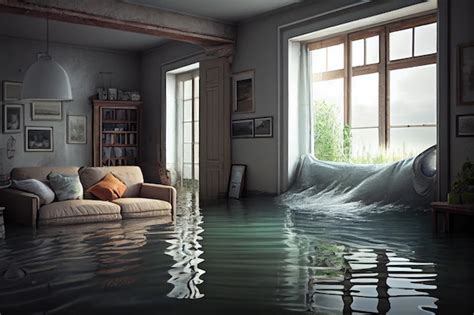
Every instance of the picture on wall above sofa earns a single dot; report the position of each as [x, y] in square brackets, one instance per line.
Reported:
[39, 139]
[46, 111]
[12, 118]
[76, 129]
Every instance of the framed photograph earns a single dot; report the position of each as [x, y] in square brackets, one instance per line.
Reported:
[11, 91]
[76, 129]
[39, 139]
[243, 89]
[242, 128]
[12, 118]
[237, 180]
[465, 125]
[466, 74]
[46, 111]
[264, 127]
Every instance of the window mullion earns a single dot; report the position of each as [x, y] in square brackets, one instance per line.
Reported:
[383, 91]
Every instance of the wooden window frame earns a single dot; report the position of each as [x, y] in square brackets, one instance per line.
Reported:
[383, 67]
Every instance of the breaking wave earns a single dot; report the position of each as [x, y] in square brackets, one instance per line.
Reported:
[342, 188]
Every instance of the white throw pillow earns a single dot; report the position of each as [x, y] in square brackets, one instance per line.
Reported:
[34, 186]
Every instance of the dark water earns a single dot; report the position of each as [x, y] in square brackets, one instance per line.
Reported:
[253, 256]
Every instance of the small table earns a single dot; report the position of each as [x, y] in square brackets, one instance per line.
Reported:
[449, 209]
[2, 223]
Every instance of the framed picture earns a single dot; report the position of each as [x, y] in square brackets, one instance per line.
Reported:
[465, 125]
[11, 91]
[466, 74]
[243, 90]
[76, 129]
[46, 111]
[39, 139]
[12, 118]
[242, 128]
[236, 181]
[264, 127]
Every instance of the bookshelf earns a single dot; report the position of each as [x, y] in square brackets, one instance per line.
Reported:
[116, 132]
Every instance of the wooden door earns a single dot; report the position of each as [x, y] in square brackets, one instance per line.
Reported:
[214, 129]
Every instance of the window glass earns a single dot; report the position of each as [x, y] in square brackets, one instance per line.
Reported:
[372, 50]
[405, 142]
[187, 158]
[401, 43]
[358, 52]
[425, 39]
[187, 171]
[196, 87]
[318, 60]
[188, 89]
[365, 144]
[413, 95]
[188, 110]
[187, 132]
[365, 100]
[196, 109]
[331, 92]
[335, 57]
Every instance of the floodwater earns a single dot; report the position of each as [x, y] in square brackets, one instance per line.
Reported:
[254, 256]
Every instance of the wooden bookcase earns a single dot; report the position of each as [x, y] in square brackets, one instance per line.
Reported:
[116, 132]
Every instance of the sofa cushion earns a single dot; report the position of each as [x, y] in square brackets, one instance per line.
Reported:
[130, 175]
[143, 207]
[34, 186]
[41, 172]
[109, 188]
[78, 211]
[66, 187]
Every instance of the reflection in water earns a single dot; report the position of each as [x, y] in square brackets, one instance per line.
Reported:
[186, 250]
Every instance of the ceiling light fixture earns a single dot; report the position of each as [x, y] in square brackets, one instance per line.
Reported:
[46, 80]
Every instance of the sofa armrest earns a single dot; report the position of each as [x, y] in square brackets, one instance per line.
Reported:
[162, 192]
[20, 207]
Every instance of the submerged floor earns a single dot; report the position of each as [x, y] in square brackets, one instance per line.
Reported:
[254, 255]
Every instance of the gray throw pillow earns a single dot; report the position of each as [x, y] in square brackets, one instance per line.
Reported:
[34, 186]
[66, 187]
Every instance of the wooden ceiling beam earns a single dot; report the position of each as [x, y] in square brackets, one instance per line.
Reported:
[81, 14]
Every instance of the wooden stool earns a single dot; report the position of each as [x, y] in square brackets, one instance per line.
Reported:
[448, 209]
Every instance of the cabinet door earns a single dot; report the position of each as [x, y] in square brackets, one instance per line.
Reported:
[214, 129]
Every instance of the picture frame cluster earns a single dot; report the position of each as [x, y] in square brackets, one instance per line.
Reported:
[261, 127]
[38, 138]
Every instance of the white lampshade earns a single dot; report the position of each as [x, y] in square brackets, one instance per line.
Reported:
[46, 80]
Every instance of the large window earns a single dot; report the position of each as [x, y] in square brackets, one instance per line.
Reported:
[374, 92]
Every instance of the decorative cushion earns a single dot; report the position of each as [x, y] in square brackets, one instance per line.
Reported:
[143, 207]
[66, 187]
[109, 188]
[34, 186]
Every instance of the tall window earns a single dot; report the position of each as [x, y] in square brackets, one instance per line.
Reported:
[188, 120]
[374, 92]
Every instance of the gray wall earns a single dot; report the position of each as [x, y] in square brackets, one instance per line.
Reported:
[152, 63]
[83, 66]
[460, 25]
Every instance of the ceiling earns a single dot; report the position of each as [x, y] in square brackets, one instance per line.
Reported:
[229, 11]
[28, 27]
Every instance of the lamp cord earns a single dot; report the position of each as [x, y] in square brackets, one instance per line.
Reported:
[47, 36]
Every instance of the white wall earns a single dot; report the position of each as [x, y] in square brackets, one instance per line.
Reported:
[83, 66]
[258, 48]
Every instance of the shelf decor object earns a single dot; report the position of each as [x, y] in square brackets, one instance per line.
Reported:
[116, 132]
[46, 80]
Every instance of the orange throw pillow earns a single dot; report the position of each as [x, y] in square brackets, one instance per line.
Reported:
[109, 188]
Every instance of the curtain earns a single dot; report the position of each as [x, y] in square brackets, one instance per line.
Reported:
[304, 99]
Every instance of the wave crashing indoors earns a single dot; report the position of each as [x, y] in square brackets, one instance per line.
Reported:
[340, 188]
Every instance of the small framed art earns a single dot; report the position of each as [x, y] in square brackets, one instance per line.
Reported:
[39, 139]
[11, 91]
[237, 180]
[12, 118]
[242, 128]
[76, 129]
[264, 127]
[466, 74]
[465, 125]
[46, 111]
[243, 89]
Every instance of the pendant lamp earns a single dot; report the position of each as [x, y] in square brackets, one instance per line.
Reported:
[46, 80]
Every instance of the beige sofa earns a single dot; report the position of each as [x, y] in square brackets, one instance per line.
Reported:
[140, 200]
